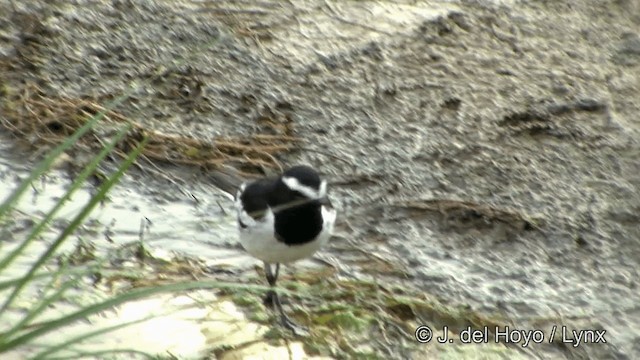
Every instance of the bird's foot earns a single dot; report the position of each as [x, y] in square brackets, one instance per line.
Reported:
[272, 300]
[290, 325]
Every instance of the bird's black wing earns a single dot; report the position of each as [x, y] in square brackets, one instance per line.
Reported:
[253, 199]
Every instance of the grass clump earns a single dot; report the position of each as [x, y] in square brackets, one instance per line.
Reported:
[58, 277]
[55, 284]
[362, 319]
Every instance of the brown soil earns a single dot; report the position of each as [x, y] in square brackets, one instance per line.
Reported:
[488, 149]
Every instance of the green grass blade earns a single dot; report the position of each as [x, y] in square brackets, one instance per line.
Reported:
[67, 344]
[5, 284]
[44, 303]
[74, 278]
[79, 181]
[45, 164]
[120, 299]
[76, 222]
[101, 354]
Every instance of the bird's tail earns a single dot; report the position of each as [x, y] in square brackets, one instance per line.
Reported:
[226, 178]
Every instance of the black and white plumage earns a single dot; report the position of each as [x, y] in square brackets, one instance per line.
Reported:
[283, 219]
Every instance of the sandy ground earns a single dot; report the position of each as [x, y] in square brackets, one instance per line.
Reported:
[488, 150]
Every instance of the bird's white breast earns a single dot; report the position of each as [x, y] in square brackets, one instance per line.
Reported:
[258, 238]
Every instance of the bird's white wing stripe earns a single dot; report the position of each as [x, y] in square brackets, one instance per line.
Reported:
[243, 216]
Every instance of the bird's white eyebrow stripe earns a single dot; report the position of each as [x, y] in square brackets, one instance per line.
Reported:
[293, 184]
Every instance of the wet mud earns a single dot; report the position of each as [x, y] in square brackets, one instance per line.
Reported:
[482, 153]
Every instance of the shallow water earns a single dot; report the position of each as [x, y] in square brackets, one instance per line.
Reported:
[170, 228]
[198, 229]
[512, 105]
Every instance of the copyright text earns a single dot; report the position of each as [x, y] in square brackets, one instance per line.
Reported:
[510, 335]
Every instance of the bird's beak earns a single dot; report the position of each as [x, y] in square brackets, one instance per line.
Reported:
[325, 201]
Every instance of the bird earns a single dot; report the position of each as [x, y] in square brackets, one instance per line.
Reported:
[282, 219]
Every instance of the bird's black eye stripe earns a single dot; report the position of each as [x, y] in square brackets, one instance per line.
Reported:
[242, 225]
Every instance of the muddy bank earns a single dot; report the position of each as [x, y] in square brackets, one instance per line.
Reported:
[484, 153]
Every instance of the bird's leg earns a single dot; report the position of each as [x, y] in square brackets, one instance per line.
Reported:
[271, 277]
[269, 299]
[273, 300]
[285, 321]
[275, 276]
